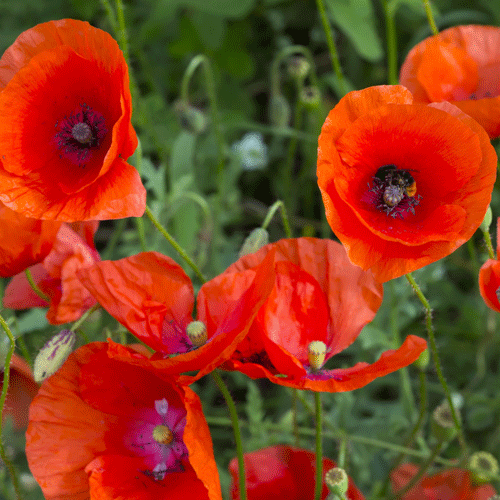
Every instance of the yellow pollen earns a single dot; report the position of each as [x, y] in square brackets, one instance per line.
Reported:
[316, 352]
[197, 333]
[162, 434]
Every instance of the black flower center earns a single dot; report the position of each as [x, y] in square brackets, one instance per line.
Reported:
[394, 191]
[80, 134]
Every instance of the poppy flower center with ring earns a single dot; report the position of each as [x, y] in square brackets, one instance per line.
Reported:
[80, 134]
[394, 191]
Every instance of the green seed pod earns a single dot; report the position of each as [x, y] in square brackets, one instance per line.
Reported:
[422, 361]
[310, 97]
[337, 481]
[298, 67]
[197, 333]
[442, 424]
[488, 217]
[190, 118]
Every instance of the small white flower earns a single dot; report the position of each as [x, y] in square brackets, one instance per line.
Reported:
[252, 151]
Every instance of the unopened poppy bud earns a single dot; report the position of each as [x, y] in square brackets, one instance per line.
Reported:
[279, 111]
[337, 481]
[488, 217]
[442, 424]
[190, 118]
[316, 352]
[298, 67]
[53, 354]
[422, 361]
[258, 238]
[197, 333]
[310, 97]
[483, 467]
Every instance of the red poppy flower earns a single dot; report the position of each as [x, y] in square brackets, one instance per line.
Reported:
[283, 473]
[106, 429]
[403, 184]
[489, 278]
[153, 297]
[23, 241]
[453, 484]
[56, 277]
[65, 133]
[319, 300]
[460, 65]
[22, 389]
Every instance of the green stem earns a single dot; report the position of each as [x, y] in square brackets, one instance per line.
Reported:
[435, 356]
[318, 485]
[202, 60]
[34, 286]
[295, 425]
[423, 469]
[430, 17]
[110, 13]
[176, 245]
[114, 239]
[237, 433]
[270, 214]
[489, 245]
[24, 349]
[121, 33]
[5, 387]
[392, 49]
[139, 222]
[82, 319]
[331, 44]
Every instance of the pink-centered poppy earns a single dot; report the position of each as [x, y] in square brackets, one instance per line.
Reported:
[105, 429]
[66, 131]
[153, 297]
[317, 307]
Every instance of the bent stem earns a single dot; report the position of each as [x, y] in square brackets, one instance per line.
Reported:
[430, 17]
[237, 433]
[270, 214]
[34, 286]
[176, 245]
[318, 486]
[435, 357]
[5, 387]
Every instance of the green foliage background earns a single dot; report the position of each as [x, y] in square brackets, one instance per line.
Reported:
[179, 168]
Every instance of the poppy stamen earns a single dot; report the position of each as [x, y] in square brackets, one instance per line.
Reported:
[80, 134]
[395, 191]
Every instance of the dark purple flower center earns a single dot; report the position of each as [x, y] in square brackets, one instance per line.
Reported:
[80, 134]
[393, 191]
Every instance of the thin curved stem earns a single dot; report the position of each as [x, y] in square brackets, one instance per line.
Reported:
[318, 485]
[430, 17]
[435, 356]
[270, 214]
[237, 433]
[83, 318]
[5, 387]
[202, 60]
[331, 44]
[176, 245]
[34, 286]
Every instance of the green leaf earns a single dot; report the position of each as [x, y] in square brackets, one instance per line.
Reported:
[211, 29]
[355, 19]
[226, 8]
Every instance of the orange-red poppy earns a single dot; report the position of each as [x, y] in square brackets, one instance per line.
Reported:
[66, 132]
[453, 484]
[152, 296]
[22, 389]
[56, 277]
[319, 300]
[460, 65]
[105, 429]
[403, 184]
[489, 278]
[23, 241]
[283, 473]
